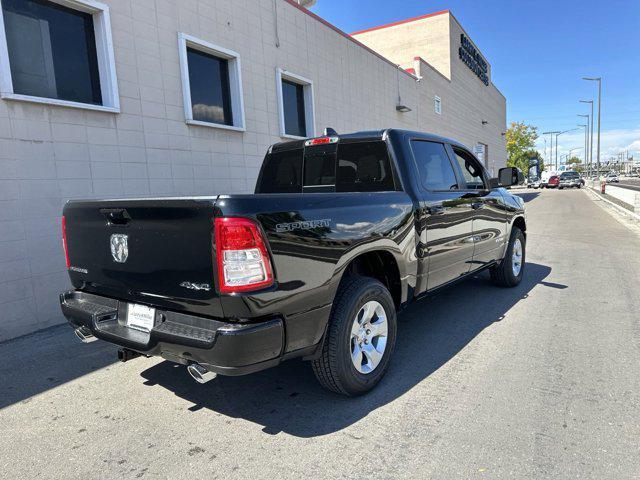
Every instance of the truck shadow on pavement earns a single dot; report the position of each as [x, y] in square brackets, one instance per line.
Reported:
[47, 359]
[288, 398]
[528, 196]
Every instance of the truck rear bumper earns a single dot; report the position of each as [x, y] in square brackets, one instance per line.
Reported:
[221, 347]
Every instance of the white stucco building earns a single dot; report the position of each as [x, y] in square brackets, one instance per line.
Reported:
[156, 97]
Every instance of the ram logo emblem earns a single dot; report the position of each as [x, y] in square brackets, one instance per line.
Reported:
[119, 247]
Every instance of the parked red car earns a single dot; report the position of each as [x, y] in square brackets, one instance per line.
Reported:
[554, 181]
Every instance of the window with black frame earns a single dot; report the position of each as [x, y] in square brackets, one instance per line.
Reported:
[52, 51]
[364, 167]
[434, 167]
[281, 172]
[471, 170]
[209, 86]
[294, 109]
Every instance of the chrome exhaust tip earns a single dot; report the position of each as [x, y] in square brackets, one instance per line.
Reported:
[84, 334]
[200, 374]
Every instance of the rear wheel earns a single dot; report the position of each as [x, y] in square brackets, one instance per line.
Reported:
[508, 273]
[360, 338]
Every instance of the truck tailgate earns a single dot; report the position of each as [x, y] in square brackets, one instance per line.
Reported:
[155, 251]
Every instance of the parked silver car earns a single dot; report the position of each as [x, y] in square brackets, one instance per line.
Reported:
[570, 180]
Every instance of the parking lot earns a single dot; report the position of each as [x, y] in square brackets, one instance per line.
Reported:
[540, 381]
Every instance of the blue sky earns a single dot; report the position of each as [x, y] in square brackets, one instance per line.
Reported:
[538, 52]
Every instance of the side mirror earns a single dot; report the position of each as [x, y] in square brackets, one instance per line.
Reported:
[508, 176]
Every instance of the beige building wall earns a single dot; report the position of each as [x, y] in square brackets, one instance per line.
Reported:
[425, 37]
[472, 112]
[50, 154]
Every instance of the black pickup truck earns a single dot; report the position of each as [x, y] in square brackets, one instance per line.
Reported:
[343, 231]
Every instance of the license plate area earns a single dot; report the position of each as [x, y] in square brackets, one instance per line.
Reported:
[140, 317]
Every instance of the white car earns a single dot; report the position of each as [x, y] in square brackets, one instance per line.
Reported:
[612, 178]
[533, 182]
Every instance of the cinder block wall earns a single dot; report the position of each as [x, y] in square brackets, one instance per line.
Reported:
[50, 154]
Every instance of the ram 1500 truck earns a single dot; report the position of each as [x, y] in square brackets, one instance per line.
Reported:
[343, 231]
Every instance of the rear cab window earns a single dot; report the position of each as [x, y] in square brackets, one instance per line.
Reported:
[360, 166]
[569, 175]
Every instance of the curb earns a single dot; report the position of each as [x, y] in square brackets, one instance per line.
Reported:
[615, 205]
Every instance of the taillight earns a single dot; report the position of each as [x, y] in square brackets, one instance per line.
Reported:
[242, 256]
[64, 241]
[320, 141]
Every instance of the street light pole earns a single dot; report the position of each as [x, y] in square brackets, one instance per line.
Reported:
[586, 145]
[599, 80]
[557, 135]
[551, 145]
[569, 155]
[587, 150]
[591, 123]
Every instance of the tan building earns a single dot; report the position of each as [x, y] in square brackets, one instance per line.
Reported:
[454, 73]
[131, 98]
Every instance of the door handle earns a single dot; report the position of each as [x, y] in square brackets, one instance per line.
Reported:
[116, 216]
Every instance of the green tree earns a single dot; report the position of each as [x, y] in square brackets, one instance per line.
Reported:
[573, 160]
[521, 140]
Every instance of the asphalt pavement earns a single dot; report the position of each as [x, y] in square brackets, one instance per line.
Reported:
[540, 381]
[630, 183]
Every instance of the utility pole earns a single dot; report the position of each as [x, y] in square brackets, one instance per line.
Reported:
[599, 80]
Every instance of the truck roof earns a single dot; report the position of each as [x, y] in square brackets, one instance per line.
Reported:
[370, 135]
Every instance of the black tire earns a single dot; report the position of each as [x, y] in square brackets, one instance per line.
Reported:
[334, 369]
[502, 274]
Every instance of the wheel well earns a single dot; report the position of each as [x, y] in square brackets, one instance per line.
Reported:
[383, 267]
[520, 223]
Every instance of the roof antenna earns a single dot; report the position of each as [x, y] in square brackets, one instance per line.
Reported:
[330, 132]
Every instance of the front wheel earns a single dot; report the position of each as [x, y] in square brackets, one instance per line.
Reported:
[508, 273]
[360, 338]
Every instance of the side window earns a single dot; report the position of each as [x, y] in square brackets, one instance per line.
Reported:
[281, 172]
[58, 52]
[434, 167]
[364, 167]
[211, 84]
[210, 89]
[471, 170]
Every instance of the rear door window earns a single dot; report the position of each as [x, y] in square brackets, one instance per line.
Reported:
[434, 167]
[364, 167]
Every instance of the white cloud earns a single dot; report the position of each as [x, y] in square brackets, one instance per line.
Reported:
[612, 142]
